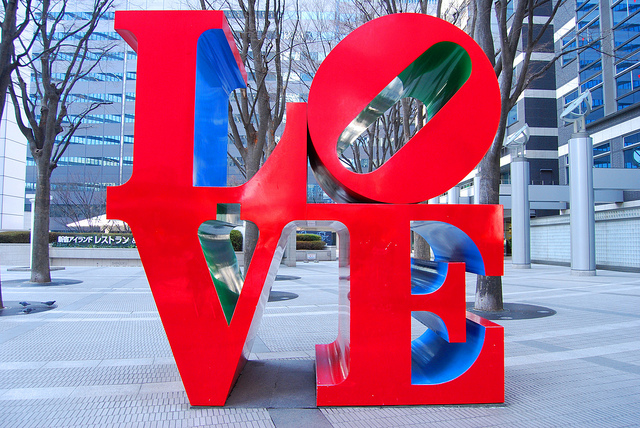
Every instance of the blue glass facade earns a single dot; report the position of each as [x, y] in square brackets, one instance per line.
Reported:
[100, 153]
[589, 43]
[631, 152]
[626, 28]
[599, 41]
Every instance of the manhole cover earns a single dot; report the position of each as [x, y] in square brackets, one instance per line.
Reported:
[27, 283]
[286, 277]
[514, 311]
[279, 296]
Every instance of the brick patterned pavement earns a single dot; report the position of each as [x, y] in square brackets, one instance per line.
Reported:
[101, 358]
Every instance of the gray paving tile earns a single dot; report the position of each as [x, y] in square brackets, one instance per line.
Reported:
[101, 359]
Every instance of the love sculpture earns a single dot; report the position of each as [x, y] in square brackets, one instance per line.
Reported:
[187, 66]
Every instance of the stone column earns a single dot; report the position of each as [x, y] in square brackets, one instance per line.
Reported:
[520, 224]
[476, 189]
[583, 248]
[453, 195]
[290, 251]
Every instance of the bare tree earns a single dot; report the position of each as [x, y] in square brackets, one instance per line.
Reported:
[11, 31]
[59, 55]
[264, 31]
[81, 201]
[322, 26]
[383, 138]
[517, 35]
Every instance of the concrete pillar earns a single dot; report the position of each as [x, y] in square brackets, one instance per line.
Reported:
[453, 195]
[290, 250]
[32, 201]
[476, 189]
[520, 224]
[583, 235]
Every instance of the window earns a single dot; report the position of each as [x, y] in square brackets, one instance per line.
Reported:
[590, 34]
[601, 149]
[588, 73]
[94, 161]
[626, 21]
[602, 156]
[584, 7]
[627, 30]
[628, 48]
[591, 83]
[589, 56]
[632, 139]
[586, 18]
[597, 97]
[627, 62]
[595, 115]
[512, 117]
[628, 81]
[632, 158]
[631, 153]
[623, 9]
[628, 100]
[602, 162]
[568, 47]
[570, 97]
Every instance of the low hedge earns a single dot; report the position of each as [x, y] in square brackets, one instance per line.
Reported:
[236, 240]
[305, 237]
[23, 237]
[310, 245]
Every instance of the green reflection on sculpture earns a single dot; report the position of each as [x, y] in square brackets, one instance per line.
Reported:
[223, 264]
[433, 78]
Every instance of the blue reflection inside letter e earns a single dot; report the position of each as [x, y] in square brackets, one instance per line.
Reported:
[217, 74]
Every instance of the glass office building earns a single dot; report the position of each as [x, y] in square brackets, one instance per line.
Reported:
[600, 45]
[100, 153]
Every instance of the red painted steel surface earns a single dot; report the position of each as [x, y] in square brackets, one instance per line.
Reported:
[448, 147]
[370, 362]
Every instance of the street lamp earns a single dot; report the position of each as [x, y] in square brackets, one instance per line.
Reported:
[576, 111]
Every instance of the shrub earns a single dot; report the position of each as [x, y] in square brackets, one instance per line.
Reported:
[23, 237]
[236, 240]
[308, 237]
[310, 245]
[15, 237]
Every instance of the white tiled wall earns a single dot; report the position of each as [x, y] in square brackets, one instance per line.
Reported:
[617, 238]
[13, 158]
[550, 239]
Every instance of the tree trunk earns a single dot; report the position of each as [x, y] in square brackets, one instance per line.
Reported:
[1, 303]
[251, 234]
[40, 270]
[488, 294]
[251, 231]
[421, 249]
[489, 288]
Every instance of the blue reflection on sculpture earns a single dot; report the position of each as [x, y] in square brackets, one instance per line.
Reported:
[427, 276]
[434, 360]
[217, 75]
[450, 244]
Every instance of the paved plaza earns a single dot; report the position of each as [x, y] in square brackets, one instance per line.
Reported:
[101, 357]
